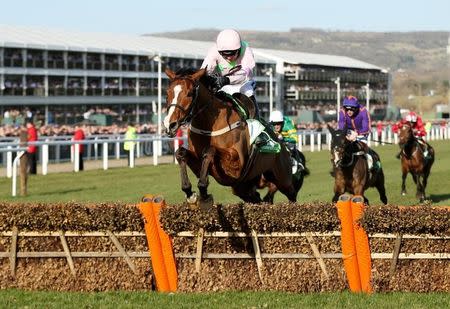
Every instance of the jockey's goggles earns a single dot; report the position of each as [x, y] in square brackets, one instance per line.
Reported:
[229, 53]
[349, 108]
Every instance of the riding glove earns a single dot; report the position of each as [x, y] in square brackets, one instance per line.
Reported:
[351, 135]
[221, 81]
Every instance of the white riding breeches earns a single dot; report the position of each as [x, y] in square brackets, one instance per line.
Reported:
[247, 88]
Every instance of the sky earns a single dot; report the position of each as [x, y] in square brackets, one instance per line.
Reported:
[155, 16]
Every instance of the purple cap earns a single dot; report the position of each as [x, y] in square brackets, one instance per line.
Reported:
[350, 101]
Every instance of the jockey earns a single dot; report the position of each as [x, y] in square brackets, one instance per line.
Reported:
[283, 127]
[286, 132]
[418, 130]
[355, 118]
[230, 64]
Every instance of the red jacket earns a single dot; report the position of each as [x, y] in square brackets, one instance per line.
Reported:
[32, 137]
[418, 127]
[79, 136]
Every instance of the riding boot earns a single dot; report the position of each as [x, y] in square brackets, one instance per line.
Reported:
[267, 144]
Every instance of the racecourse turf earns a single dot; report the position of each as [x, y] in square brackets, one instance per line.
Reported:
[126, 184]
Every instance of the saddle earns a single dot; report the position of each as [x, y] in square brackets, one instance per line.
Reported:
[240, 102]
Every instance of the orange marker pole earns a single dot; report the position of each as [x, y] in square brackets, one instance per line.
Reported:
[166, 245]
[348, 243]
[154, 244]
[362, 244]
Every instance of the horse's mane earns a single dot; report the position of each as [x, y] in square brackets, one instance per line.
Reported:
[186, 71]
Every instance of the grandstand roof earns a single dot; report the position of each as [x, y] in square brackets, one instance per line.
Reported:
[54, 39]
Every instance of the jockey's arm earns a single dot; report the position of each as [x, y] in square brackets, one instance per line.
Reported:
[341, 123]
[365, 123]
[246, 71]
[210, 61]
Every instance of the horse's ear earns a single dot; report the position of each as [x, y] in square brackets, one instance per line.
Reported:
[330, 128]
[171, 74]
[197, 75]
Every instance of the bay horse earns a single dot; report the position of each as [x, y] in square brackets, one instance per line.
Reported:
[413, 160]
[219, 143]
[297, 178]
[350, 168]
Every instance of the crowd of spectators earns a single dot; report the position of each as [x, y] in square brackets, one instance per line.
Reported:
[65, 130]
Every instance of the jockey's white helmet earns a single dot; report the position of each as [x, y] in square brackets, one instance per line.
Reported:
[228, 39]
[276, 116]
[411, 117]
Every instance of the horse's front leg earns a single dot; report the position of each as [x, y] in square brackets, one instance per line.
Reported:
[206, 200]
[184, 158]
[404, 174]
[339, 189]
[420, 193]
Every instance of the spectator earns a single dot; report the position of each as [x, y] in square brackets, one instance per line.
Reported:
[129, 144]
[79, 136]
[379, 130]
[32, 149]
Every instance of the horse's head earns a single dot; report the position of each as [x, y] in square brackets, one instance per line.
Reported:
[338, 144]
[182, 93]
[405, 133]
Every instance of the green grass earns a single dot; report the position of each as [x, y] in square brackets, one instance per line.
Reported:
[124, 184]
[23, 299]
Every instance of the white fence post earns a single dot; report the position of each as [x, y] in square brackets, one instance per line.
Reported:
[96, 149]
[300, 142]
[176, 145]
[45, 158]
[329, 137]
[395, 138]
[9, 163]
[76, 160]
[389, 138]
[14, 172]
[105, 156]
[155, 152]
[118, 148]
[131, 153]
[138, 149]
[312, 141]
[72, 152]
[319, 141]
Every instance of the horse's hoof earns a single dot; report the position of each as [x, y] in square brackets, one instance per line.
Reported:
[403, 193]
[207, 203]
[193, 201]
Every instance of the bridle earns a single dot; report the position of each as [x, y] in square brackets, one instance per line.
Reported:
[411, 141]
[189, 111]
[338, 163]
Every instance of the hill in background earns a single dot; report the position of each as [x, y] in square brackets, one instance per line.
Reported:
[419, 60]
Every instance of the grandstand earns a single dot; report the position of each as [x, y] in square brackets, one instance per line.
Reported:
[67, 77]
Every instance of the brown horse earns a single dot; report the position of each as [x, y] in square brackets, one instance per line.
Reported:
[350, 169]
[219, 143]
[414, 161]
